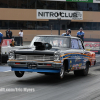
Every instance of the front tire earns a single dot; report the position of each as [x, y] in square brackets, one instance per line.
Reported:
[19, 73]
[62, 72]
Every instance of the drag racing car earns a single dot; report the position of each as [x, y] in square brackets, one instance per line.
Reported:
[50, 54]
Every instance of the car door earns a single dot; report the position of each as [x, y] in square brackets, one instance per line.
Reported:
[81, 46]
[77, 53]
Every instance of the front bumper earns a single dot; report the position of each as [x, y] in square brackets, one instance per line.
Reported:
[34, 66]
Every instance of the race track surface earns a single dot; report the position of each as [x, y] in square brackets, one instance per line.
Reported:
[50, 87]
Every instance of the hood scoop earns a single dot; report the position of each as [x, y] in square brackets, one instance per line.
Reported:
[42, 46]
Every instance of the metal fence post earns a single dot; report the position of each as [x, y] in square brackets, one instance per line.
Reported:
[51, 29]
[99, 43]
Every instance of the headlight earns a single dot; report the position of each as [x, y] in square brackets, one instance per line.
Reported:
[11, 55]
[57, 57]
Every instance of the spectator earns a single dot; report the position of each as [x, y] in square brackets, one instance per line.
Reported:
[68, 32]
[80, 34]
[1, 41]
[8, 34]
[21, 35]
[12, 43]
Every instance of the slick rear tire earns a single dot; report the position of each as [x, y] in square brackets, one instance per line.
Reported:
[86, 70]
[83, 72]
[19, 73]
[77, 72]
[94, 62]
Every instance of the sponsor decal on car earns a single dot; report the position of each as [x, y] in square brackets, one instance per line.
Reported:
[70, 61]
[75, 65]
[84, 60]
[70, 65]
[80, 64]
[72, 68]
[77, 60]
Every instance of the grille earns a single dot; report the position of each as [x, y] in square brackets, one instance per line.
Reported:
[35, 57]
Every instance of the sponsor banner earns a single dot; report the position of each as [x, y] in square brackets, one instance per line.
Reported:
[54, 0]
[92, 45]
[96, 1]
[88, 1]
[72, 0]
[6, 42]
[62, 14]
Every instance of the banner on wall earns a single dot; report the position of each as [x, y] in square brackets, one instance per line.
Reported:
[92, 45]
[96, 1]
[62, 14]
[87, 1]
[6, 42]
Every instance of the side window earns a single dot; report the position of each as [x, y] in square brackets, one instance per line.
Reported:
[74, 44]
[80, 44]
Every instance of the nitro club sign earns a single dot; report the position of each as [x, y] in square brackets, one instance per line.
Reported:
[63, 14]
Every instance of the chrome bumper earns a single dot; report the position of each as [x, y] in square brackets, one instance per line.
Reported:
[34, 64]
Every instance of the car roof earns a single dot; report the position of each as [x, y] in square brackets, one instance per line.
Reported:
[59, 36]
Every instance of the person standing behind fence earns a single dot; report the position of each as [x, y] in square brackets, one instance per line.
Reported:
[1, 41]
[21, 35]
[68, 32]
[80, 34]
[8, 34]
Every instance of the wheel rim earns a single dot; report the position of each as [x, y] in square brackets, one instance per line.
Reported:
[62, 72]
[20, 72]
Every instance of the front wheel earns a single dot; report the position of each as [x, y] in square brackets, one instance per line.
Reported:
[19, 73]
[62, 73]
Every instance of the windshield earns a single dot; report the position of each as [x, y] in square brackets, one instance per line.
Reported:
[53, 40]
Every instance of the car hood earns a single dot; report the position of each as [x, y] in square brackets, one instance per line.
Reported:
[31, 50]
